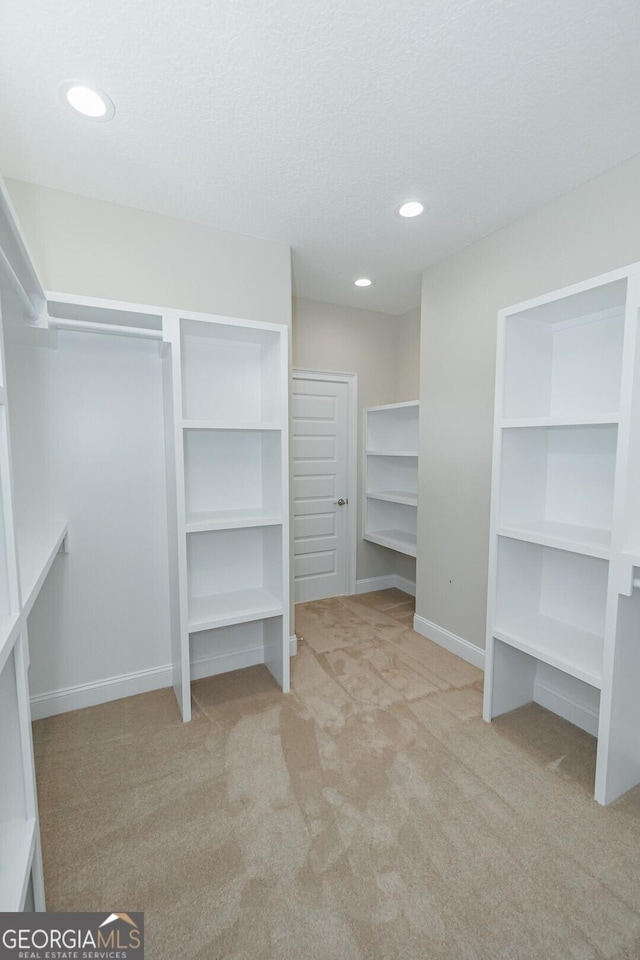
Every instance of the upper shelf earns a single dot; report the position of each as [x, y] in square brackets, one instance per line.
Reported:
[37, 549]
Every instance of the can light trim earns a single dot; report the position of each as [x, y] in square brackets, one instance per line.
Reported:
[87, 100]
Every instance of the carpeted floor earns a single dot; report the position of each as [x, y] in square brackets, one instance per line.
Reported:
[370, 814]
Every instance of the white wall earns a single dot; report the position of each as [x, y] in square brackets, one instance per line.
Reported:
[384, 351]
[105, 250]
[586, 232]
[103, 612]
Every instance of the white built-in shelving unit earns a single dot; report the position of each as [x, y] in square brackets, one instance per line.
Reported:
[226, 410]
[391, 476]
[220, 386]
[565, 515]
[27, 553]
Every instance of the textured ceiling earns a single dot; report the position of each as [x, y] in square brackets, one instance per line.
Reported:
[308, 121]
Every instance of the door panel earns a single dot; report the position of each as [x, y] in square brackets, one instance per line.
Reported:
[319, 446]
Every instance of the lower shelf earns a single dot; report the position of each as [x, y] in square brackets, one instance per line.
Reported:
[559, 644]
[398, 540]
[588, 540]
[17, 844]
[240, 606]
[395, 496]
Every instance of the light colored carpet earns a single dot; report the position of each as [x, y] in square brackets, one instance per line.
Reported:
[370, 814]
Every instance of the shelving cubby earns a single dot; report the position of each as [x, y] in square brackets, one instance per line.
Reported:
[551, 603]
[391, 476]
[563, 611]
[234, 576]
[557, 486]
[563, 358]
[232, 478]
[226, 393]
[231, 374]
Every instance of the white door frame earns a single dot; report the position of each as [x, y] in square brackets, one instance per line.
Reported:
[351, 380]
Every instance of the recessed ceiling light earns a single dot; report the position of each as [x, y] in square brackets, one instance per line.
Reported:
[87, 100]
[363, 282]
[412, 208]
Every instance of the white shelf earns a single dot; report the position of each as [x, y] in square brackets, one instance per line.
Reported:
[632, 556]
[230, 519]
[17, 844]
[559, 644]
[392, 453]
[398, 540]
[9, 629]
[224, 609]
[230, 425]
[37, 549]
[407, 405]
[588, 420]
[391, 476]
[565, 536]
[395, 496]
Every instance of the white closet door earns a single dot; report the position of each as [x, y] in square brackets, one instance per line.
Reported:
[319, 411]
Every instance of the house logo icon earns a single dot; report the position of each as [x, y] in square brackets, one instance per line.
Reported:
[119, 916]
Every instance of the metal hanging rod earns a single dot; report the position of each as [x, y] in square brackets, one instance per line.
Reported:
[111, 329]
[21, 293]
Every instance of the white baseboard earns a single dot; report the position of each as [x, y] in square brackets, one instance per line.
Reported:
[100, 691]
[407, 586]
[581, 714]
[454, 644]
[375, 583]
[546, 693]
[386, 583]
[141, 681]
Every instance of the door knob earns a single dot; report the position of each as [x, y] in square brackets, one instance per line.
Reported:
[341, 502]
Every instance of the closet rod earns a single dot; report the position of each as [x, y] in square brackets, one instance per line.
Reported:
[111, 329]
[12, 277]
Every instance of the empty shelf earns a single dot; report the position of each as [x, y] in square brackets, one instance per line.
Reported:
[395, 496]
[392, 453]
[224, 609]
[565, 536]
[588, 420]
[17, 843]
[559, 644]
[37, 549]
[398, 540]
[230, 425]
[9, 628]
[230, 519]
